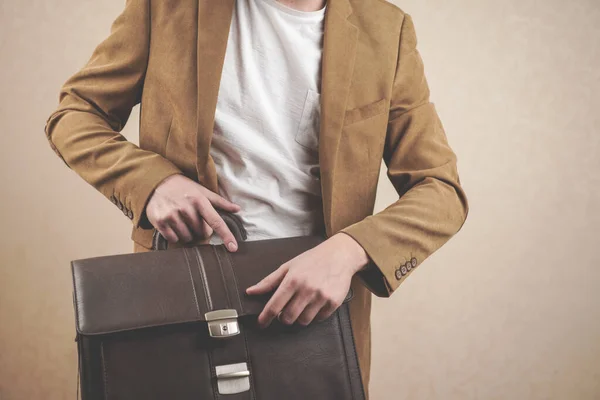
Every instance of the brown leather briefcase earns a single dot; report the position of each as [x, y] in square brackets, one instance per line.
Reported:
[177, 324]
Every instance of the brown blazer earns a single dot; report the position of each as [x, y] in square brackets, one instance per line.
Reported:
[168, 56]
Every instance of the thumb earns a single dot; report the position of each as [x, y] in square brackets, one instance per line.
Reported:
[268, 283]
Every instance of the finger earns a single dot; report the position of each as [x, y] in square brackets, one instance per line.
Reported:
[276, 303]
[168, 233]
[206, 229]
[214, 220]
[325, 312]
[220, 201]
[269, 282]
[294, 308]
[193, 220]
[181, 230]
[309, 313]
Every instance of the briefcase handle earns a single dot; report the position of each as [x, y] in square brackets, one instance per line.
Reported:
[159, 242]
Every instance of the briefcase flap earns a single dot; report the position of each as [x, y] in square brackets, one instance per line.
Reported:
[124, 292]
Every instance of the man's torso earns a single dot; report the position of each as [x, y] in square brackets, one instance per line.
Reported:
[265, 136]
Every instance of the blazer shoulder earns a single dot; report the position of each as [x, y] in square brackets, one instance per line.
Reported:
[381, 13]
[391, 7]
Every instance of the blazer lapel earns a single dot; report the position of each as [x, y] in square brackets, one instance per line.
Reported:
[339, 51]
[214, 21]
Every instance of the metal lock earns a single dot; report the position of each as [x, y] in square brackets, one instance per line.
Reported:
[222, 323]
[233, 378]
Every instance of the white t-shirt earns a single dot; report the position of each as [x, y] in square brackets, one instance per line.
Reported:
[265, 139]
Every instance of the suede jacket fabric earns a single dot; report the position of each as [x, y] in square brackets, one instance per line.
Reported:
[167, 56]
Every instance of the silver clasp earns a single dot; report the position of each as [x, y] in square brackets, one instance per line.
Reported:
[233, 378]
[222, 323]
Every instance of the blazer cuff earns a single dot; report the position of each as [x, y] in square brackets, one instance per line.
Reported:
[144, 188]
[379, 274]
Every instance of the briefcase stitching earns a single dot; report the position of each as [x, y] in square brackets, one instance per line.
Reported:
[203, 278]
[237, 287]
[344, 337]
[252, 383]
[187, 261]
[228, 304]
[104, 373]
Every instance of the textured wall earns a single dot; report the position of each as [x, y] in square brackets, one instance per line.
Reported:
[508, 309]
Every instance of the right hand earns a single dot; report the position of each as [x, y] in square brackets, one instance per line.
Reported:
[182, 211]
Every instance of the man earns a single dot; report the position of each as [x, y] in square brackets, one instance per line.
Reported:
[280, 111]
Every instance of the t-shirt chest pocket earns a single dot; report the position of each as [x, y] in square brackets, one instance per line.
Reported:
[308, 128]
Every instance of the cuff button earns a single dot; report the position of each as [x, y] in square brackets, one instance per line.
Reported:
[403, 270]
[408, 265]
[398, 274]
[413, 261]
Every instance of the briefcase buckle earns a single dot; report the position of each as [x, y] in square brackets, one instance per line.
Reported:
[222, 323]
[233, 378]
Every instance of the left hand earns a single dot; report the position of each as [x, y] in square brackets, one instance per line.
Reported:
[313, 284]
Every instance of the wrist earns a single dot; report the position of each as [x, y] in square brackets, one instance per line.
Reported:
[360, 258]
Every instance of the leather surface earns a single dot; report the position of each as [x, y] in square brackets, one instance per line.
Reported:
[142, 332]
[130, 291]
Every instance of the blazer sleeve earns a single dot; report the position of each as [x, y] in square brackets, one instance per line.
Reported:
[432, 206]
[94, 106]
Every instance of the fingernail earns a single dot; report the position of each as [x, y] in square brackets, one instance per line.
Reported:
[231, 246]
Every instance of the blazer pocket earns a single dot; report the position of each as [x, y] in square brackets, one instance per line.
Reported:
[366, 111]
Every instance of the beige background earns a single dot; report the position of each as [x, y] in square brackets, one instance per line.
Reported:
[508, 309]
